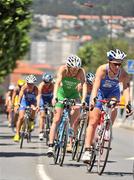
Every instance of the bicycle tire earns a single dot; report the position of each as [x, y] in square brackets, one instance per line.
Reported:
[74, 148]
[28, 137]
[22, 139]
[91, 164]
[103, 151]
[57, 150]
[63, 146]
[81, 141]
[57, 145]
[47, 129]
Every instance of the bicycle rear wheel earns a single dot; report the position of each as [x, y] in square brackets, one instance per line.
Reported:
[103, 151]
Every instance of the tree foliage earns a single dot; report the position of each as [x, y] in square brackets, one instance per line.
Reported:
[15, 20]
[93, 54]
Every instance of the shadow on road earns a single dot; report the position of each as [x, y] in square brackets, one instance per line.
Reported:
[20, 154]
[119, 173]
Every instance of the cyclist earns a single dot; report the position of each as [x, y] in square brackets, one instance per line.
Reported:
[15, 97]
[8, 104]
[68, 79]
[45, 94]
[106, 86]
[89, 80]
[27, 97]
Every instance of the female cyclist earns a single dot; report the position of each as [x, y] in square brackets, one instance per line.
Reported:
[69, 77]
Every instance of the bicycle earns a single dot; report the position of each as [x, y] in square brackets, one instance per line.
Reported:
[79, 141]
[26, 127]
[63, 130]
[102, 147]
[48, 121]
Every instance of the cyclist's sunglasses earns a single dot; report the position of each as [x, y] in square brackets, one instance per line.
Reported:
[47, 82]
[30, 84]
[116, 64]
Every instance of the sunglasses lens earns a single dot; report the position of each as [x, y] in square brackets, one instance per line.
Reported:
[116, 64]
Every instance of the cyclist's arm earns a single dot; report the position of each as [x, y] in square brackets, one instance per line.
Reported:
[39, 94]
[100, 73]
[126, 87]
[58, 81]
[6, 98]
[21, 94]
[84, 86]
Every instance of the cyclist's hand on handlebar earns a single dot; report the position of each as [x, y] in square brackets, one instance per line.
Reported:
[37, 109]
[112, 103]
[92, 103]
[84, 104]
[128, 108]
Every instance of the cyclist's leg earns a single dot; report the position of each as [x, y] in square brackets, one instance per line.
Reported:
[57, 116]
[9, 115]
[15, 115]
[19, 123]
[115, 95]
[23, 105]
[94, 117]
[41, 123]
[75, 115]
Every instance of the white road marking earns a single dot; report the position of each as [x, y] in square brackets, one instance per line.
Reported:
[42, 173]
[130, 158]
[40, 166]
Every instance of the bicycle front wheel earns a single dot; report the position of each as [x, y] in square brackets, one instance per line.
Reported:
[81, 140]
[74, 149]
[103, 151]
[63, 146]
[22, 139]
[57, 150]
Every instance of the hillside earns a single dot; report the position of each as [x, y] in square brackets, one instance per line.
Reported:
[107, 7]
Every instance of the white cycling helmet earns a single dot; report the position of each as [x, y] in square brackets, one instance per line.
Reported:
[90, 78]
[116, 55]
[11, 87]
[31, 79]
[73, 61]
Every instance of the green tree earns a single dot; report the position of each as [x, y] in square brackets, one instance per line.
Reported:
[93, 54]
[15, 21]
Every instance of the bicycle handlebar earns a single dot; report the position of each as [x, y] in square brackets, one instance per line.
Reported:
[111, 102]
[70, 102]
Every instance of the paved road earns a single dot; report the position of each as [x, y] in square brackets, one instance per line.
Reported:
[31, 162]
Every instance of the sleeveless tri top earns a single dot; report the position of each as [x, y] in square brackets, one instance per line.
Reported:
[69, 87]
[109, 84]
